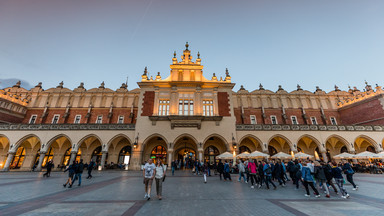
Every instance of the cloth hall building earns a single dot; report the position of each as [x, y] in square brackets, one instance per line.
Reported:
[186, 114]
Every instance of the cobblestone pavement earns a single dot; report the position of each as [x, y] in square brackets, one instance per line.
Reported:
[122, 193]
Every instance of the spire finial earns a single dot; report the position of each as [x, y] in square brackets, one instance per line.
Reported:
[226, 72]
[145, 70]
[174, 54]
[261, 87]
[186, 45]
[198, 55]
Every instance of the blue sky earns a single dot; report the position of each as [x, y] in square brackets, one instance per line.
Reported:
[273, 42]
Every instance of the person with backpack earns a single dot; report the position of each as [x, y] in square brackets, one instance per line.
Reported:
[267, 169]
[241, 170]
[337, 175]
[78, 172]
[320, 177]
[348, 171]
[226, 171]
[297, 172]
[252, 172]
[71, 172]
[260, 174]
[329, 176]
[279, 175]
[90, 167]
[220, 169]
[308, 180]
[291, 170]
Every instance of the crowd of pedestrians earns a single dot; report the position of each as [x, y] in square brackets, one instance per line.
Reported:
[319, 176]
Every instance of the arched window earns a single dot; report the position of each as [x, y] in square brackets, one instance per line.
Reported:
[210, 154]
[371, 149]
[67, 156]
[48, 156]
[97, 154]
[18, 158]
[272, 150]
[159, 152]
[244, 149]
[125, 155]
[343, 149]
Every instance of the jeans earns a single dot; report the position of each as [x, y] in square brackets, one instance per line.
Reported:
[77, 175]
[330, 182]
[340, 184]
[89, 173]
[173, 170]
[268, 179]
[159, 186]
[322, 183]
[297, 180]
[350, 180]
[241, 174]
[221, 173]
[252, 176]
[306, 183]
[261, 179]
[227, 175]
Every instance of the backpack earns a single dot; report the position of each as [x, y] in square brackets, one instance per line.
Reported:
[268, 171]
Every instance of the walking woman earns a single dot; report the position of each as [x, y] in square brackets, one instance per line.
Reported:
[71, 170]
[252, 172]
[320, 177]
[308, 180]
[348, 171]
[336, 171]
[159, 177]
[205, 171]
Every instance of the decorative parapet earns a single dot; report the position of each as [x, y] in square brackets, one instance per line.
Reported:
[255, 127]
[67, 127]
[186, 121]
[357, 96]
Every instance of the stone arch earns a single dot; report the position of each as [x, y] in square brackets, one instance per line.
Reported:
[59, 143]
[185, 148]
[362, 142]
[220, 137]
[30, 143]
[280, 143]
[53, 139]
[87, 137]
[4, 141]
[151, 143]
[24, 138]
[185, 135]
[4, 147]
[310, 143]
[334, 144]
[252, 142]
[116, 144]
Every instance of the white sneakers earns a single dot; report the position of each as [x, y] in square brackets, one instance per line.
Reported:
[252, 186]
[317, 196]
[145, 196]
[307, 195]
[346, 196]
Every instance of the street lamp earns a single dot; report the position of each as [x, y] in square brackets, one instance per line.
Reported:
[136, 141]
[234, 144]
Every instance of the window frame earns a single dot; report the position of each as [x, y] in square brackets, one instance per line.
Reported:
[254, 118]
[208, 108]
[53, 119]
[186, 107]
[97, 119]
[314, 118]
[164, 105]
[74, 121]
[34, 120]
[294, 117]
[120, 117]
[274, 117]
[334, 118]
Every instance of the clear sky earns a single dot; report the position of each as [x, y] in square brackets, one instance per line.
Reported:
[273, 42]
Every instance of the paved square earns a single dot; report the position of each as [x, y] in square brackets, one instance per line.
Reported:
[122, 193]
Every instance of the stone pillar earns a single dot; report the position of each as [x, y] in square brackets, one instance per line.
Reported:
[136, 160]
[325, 158]
[200, 155]
[41, 159]
[73, 157]
[170, 158]
[103, 157]
[9, 160]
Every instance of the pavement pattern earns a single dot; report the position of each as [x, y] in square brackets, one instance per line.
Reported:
[122, 193]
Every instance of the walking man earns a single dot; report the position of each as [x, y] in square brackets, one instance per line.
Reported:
[79, 171]
[149, 173]
[90, 168]
[49, 169]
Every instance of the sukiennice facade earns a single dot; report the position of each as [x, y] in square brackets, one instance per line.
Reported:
[183, 115]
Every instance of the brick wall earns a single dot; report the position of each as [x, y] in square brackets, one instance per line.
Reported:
[8, 118]
[223, 104]
[148, 103]
[368, 112]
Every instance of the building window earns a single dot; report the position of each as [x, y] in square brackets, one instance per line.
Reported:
[99, 119]
[207, 107]
[313, 120]
[33, 119]
[294, 120]
[55, 119]
[333, 121]
[253, 119]
[274, 119]
[77, 119]
[185, 107]
[163, 107]
[120, 120]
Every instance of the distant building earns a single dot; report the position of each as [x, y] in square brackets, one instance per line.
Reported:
[185, 117]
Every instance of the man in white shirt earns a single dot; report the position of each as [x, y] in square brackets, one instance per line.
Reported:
[149, 173]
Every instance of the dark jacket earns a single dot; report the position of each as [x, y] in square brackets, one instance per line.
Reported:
[328, 172]
[319, 173]
[306, 174]
[347, 168]
[91, 165]
[49, 166]
[277, 170]
[79, 168]
[71, 170]
[290, 167]
[260, 169]
[220, 167]
[336, 172]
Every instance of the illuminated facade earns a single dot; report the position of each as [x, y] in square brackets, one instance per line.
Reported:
[183, 115]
